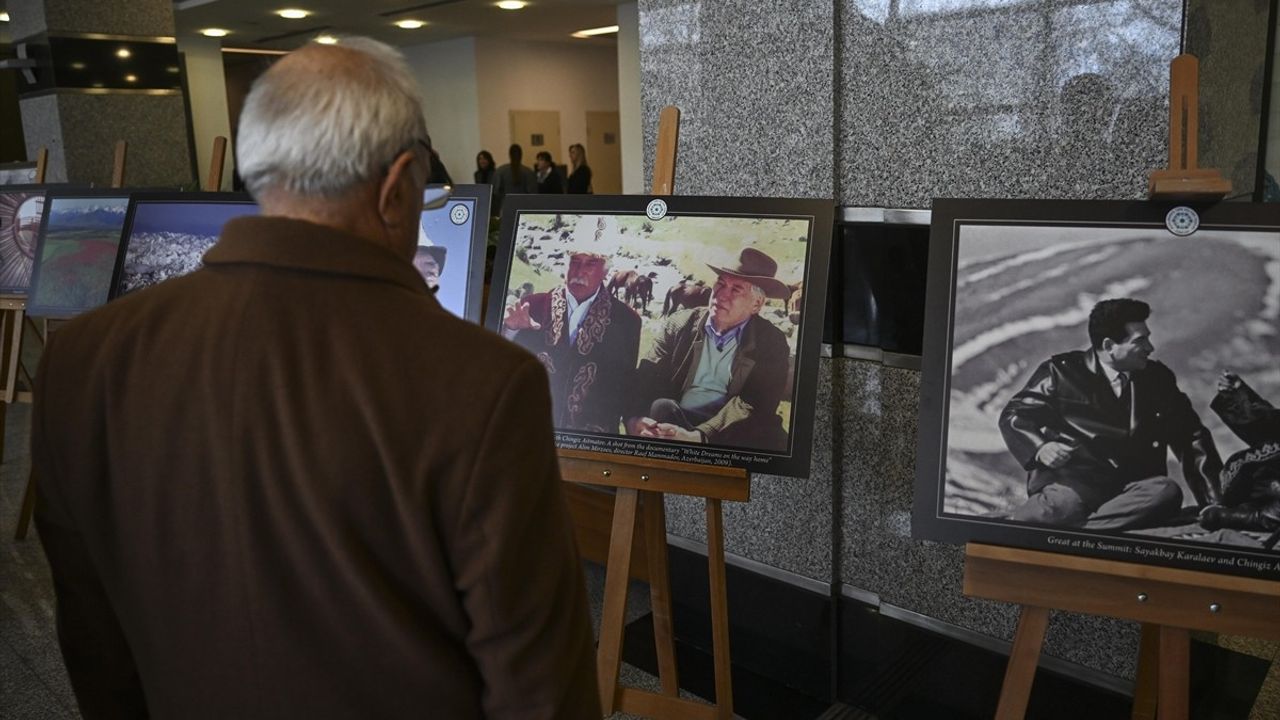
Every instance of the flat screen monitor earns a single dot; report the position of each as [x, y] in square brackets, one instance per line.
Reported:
[167, 234]
[21, 207]
[76, 251]
[451, 248]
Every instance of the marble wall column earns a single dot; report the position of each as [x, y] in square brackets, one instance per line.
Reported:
[80, 125]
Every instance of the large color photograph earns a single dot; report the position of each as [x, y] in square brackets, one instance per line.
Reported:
[21, 209]
[76, 254]
[686, 336]
[167, 238]
[1104, 385]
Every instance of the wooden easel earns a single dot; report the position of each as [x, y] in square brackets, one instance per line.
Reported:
[1183, 179]
[640, 488]
[1167, 601]
[216, 163]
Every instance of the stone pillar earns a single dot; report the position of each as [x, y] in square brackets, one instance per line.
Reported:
[106, 71]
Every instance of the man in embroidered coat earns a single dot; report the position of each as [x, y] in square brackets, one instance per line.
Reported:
[1251, 477]
[587, 340]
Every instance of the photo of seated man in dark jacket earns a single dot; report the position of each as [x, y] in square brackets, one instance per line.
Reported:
[1093, 429]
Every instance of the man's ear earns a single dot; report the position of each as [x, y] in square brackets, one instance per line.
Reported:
[1107, 344]
[396, 187]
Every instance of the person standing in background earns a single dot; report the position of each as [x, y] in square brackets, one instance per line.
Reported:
[513, 177]
[580, 172]
[548, 177]
[484, 168]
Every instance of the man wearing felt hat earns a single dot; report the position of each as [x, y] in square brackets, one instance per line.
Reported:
[429, 261]
[587, 339]
[716, 374]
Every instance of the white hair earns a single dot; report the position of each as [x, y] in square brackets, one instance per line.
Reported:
[758, 293]
[319, 134]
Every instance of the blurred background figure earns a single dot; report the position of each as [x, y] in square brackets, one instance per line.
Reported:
[439, 175]
[513, 177]
[580, 172]
[484, 168]
[548, 177]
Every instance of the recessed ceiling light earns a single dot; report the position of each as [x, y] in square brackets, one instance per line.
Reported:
[327, 40]
[97, 85]
[124, 54]
[512, 4]
[172, 69]
[131, 78]
[215, 32]
[293, 13]
[409, 24]
[77, 66]
[592, 32]
[4, 17]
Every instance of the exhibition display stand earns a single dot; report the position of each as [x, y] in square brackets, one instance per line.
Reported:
[640, 486]
[13, 320]
[1168, 602]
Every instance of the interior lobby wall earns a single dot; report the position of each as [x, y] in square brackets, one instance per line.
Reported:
[207, 89]
[447, 73]
[517, 75]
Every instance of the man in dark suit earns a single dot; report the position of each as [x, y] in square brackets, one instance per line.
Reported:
[257, 496]
[716, 374]
[587, 339]
[1093, 429]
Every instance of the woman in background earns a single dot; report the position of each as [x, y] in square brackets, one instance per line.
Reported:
[580, 175]
[484, 168]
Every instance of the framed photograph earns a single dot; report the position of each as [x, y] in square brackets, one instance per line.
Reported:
[166, 235]
[451, 248]
[76, 251]
[21, 208]
[1103, 378]
[678, 328]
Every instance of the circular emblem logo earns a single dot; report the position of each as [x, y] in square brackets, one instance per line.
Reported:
[1182, 221]
[656, 209]
[458, 214]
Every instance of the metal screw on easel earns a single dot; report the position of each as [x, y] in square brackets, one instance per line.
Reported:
[1215, 608]
[606, 473]
[644, 478]
[1142, 597]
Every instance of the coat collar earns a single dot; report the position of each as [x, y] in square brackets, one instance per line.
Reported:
[299, 245]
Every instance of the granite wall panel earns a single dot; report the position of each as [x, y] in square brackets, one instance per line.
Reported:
[153, 125]
[147, 18]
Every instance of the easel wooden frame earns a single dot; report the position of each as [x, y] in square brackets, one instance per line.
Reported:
[640, 485]
[1168, 602]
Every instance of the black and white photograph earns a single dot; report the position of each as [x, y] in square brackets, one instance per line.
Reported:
[166, 235]
[21, 209]
[1104, 379]
[681, 328]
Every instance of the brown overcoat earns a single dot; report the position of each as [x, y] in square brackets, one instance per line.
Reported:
[291, 485]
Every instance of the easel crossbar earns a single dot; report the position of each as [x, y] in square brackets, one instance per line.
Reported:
[654, 475]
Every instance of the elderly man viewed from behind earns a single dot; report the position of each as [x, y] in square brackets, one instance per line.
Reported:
[257, 498]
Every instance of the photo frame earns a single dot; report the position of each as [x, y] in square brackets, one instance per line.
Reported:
[452, 241]
[21, 210]
[697, 333]
[76, 251]
[166, 235]
[1057, 414]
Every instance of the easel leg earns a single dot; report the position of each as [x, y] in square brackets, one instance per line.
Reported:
[719, 609]
[27, 509]
[655, 524]
[1023, 658]
[1144, 691]
[617, 573]
[1175, 673]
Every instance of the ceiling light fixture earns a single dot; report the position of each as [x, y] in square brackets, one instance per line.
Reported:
[215, 32]
[131, 78]
[327, 40]
[4, 17]
[78, 65]
[409, 24]
[124, 54]
[592, 32]
[293, 13]
[512, 4]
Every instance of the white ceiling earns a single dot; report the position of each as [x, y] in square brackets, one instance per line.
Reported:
[253, 23]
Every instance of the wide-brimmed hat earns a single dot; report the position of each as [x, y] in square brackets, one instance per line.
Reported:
[437, 253]
[758, 269]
